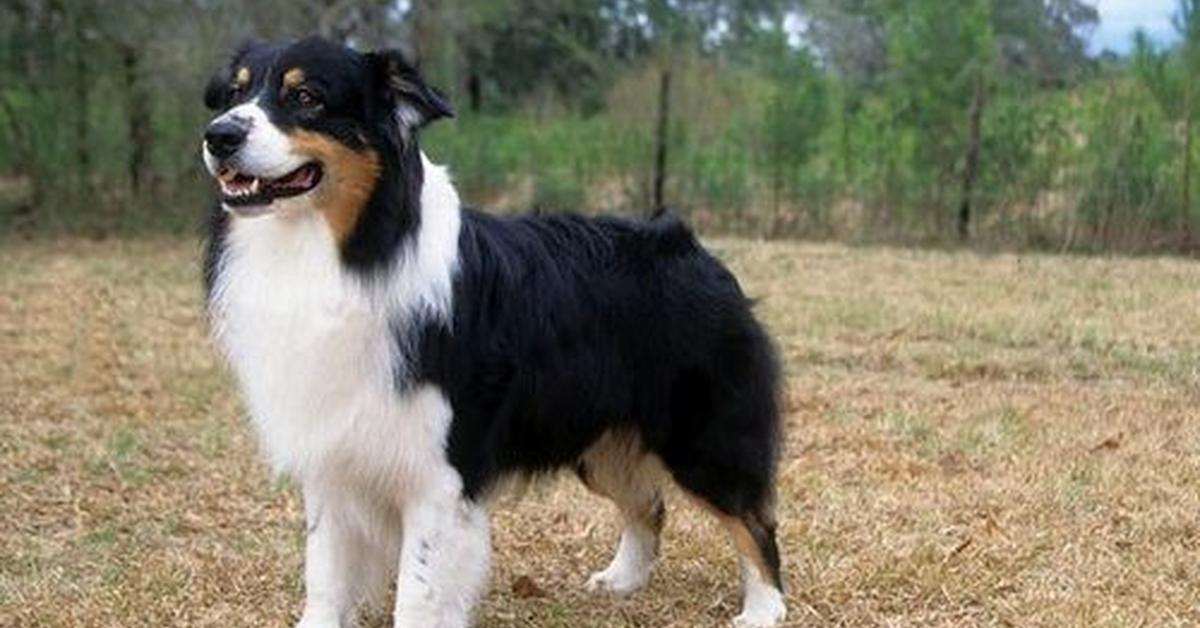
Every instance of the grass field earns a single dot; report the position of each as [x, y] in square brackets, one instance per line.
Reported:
[1001, 440]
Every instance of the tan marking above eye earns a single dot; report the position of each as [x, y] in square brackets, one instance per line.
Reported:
[293, 77]
[242, 77]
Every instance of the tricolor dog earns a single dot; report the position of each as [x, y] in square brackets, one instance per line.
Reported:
[401, 355]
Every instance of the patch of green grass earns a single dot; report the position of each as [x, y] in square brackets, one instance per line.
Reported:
[114, 574]
[559, 616]
[123, 456]
[843, 417]
[29, 475]
[992, 434]
[1077, 486]
[199, 388]
[913, 430]
[101, 537]
[863, 315]
[57, 442]
[122, 444]
[214, 437]
[1139, 361]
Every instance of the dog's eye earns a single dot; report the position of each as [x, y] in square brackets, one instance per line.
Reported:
[304, 97]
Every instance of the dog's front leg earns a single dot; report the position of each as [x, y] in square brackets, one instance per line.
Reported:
[341, 569]
[443, 563]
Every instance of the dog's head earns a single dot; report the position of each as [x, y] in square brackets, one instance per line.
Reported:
[312, 126]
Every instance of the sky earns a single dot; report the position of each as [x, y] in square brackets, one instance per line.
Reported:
[1120, 18]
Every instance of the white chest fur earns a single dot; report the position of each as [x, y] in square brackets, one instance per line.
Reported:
[313, 345]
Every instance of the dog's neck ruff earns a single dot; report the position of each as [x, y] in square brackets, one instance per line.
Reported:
[417, 280]
[420, 279]
[313, 341]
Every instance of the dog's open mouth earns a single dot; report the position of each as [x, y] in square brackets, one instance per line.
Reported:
[242, 190]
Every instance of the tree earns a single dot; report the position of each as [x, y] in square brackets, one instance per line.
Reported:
[1187, 23]
[938, 64]
[1043, 40]
[943, 61]
[795, 117]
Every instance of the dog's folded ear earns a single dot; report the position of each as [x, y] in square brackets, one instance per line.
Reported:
[217, 91]
[415, 103]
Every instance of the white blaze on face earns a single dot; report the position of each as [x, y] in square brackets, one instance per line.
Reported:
[268, 152]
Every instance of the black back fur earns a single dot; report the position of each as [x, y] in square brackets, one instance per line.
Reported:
[567, 327]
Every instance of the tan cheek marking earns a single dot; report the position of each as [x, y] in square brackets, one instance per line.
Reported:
[293, 77]
[243, 76]
[350, 179]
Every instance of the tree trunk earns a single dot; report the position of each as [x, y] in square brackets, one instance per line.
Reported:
[138, 111]
[971, 167]
[424, 31]
[660, 154]
[82, 88]
[26, 160]
[847, 158]
[474, 90]
[1106, 225]
[1185, 210]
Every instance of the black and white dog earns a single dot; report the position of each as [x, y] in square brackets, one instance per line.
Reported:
[401, 355]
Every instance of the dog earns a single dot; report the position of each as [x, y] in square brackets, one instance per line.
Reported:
[401, 356]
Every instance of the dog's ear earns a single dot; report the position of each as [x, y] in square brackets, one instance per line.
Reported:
[216, 94]
[414, 102]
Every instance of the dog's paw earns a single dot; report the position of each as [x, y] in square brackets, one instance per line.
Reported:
[618, 581]
[761, 617]
[319, 619]
[764, 612]
[757, 620]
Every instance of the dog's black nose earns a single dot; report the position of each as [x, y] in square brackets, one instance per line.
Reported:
[225, 137]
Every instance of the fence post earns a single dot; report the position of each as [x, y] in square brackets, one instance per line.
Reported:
[660, 155]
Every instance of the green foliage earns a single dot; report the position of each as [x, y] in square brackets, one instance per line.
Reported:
[794, 121]
[1125, 169]
[881, 123]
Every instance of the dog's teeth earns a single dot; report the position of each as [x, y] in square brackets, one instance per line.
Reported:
[254, 186]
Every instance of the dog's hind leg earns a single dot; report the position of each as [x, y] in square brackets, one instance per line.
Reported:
[763, 605]
[752, 531]
[618, 468]
[725, 458]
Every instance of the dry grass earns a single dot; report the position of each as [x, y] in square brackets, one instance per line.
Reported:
[972, 441]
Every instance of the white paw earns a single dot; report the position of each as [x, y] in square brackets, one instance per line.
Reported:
[448, 619]
[757, 620]
[764, 611]
[318, 620]
[618, 581]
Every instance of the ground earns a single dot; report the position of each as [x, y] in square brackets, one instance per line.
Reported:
[971, 440]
